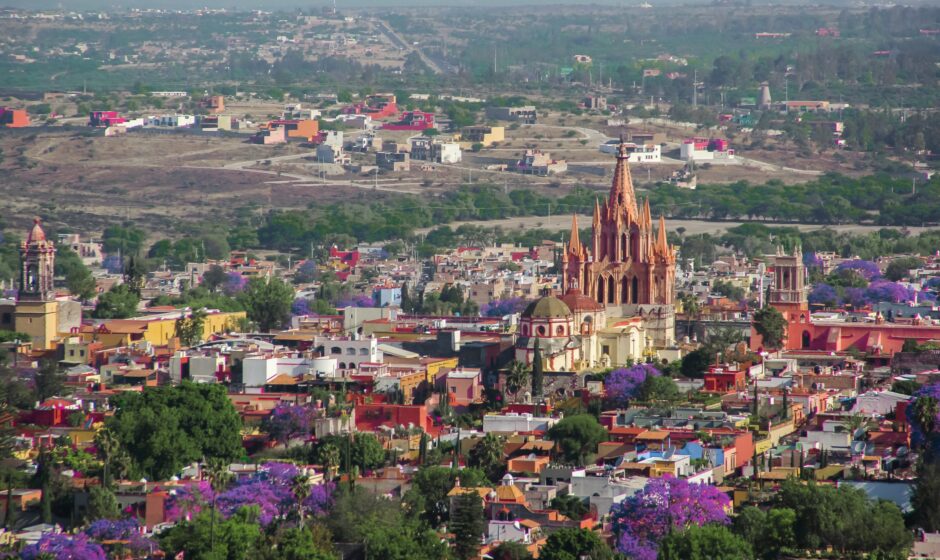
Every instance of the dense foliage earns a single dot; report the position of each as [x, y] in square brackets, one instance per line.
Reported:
[165, 428]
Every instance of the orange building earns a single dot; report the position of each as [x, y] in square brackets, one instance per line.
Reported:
[13, 118]
[306, 129]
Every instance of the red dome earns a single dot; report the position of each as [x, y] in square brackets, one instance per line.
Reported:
[576, 301]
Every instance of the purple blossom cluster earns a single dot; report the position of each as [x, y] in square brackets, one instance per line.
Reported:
[289, 421]
[234, 284]
[641, 521]
[271, 490]
[503, 307]
[60, 546]
[300, 307]
[623, 384]
[918, 431]
[866, 269]
[120, 530]
[812, 260]
[877, 291]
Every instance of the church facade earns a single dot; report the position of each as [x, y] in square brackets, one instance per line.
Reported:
[628, 261]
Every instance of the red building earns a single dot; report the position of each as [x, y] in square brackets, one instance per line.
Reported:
[105, 118]
[370, 416]
[378, 106]
[803, 333]
[722, 379]
[412, 120]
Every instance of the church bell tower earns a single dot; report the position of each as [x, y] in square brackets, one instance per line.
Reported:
[36, 312]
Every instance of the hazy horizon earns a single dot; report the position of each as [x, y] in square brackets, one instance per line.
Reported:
[352, 4]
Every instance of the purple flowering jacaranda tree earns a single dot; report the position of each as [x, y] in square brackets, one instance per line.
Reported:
[641, 521]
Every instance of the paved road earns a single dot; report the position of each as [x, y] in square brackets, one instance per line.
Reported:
[402, 44]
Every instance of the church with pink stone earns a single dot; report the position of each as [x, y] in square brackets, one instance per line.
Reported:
[618, 290]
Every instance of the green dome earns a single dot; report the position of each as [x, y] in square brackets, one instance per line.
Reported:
[548, 307]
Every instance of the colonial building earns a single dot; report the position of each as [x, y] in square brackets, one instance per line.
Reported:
[627, 262]
[36, 311]
[826, 334]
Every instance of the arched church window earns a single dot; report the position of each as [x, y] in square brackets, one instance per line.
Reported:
[560, 331]
[541, 330]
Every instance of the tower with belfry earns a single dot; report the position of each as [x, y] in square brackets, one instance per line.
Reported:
[37, 311]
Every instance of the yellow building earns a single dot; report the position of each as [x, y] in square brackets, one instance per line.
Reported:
[157, 330]
[486, 135]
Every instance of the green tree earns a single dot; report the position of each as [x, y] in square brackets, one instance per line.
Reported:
[117, 303]
[165, 428]
[298, 543]
[102, 504]
[573, 544]
[924, 497]
[768, 534]
[695, 363]
[267, 302]
[49, 380]
[517, 378]
[237, 537]
[538, 373]
[704, 543]
[570, 506]
[467, 525]
[135, 275]
[114, 459]
[213, 278]
[487, 455]
[770, 325]
[220, 476]
[190, 329]
[658, 388]
[899, 269]
[510, 550]
[576, 436]
[81, 284]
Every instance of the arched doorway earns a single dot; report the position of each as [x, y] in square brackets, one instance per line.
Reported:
[624, 291]
[806, 340]
[635, 291]
[611, 287]
[600, 290]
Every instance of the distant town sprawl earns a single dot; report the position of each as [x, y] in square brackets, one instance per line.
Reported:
[587, 281]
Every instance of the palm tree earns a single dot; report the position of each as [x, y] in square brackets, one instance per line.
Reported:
[518, 378]
[855, 422]
[329, 457]
[219, 475]
[300, 486]
[108, 446]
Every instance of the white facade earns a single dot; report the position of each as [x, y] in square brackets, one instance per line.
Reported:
[350, 353]
[450, 152]
[512, 422]
[202, 369]
[256, 370]
[878, 402]
[174, 121]
[688, 152]
[826, 440]
[645, 153]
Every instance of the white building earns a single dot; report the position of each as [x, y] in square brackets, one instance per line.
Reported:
[645, 153]
[704, 149]
[447, 152]
[349, 353]
[173, 121]
[511, 423]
